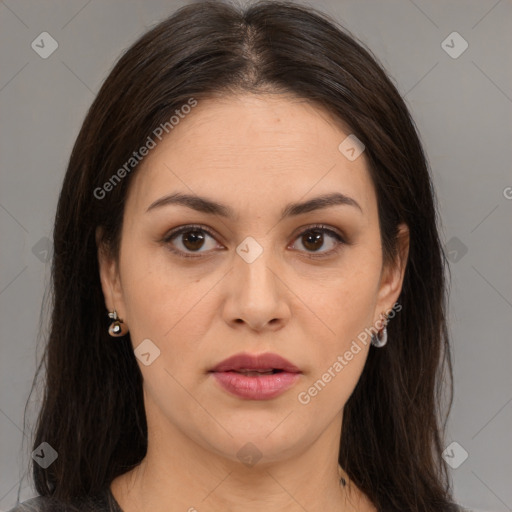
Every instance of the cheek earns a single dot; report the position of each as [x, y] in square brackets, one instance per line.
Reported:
[340, 354]
[168, 306]
[346, 307]
[348, 302]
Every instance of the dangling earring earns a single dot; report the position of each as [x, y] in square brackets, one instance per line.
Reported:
[380, 341]
[117, 328]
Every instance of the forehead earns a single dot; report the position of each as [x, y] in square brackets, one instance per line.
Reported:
[252, 148]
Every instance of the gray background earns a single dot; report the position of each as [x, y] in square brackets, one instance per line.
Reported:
[462, 107]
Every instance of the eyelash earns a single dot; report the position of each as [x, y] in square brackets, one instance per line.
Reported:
[316, 227]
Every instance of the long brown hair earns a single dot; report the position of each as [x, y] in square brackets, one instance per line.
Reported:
[92, 412]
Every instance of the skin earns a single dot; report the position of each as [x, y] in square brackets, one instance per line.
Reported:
[254, 154]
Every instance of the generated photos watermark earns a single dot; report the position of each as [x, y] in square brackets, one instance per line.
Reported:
[151, 142]
[363, 337]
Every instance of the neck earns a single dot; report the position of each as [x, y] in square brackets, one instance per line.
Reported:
[208, 484]
[180, 474]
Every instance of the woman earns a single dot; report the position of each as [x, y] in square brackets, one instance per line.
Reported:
[246, 218]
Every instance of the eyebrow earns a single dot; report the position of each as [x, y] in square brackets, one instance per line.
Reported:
[205, 205]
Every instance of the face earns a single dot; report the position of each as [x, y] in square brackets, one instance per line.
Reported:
[258, 274]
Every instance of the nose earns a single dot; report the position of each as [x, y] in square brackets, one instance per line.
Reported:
[257, 294]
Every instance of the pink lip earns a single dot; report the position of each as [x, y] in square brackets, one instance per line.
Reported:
[256, 387]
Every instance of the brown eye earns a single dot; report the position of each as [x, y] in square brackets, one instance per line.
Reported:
[193, 240]
[189, 240]
[315, 238]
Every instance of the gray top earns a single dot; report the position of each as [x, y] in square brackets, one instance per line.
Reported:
[105, 502]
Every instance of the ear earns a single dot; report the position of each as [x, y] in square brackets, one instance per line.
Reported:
[392, 275]
[109, 277]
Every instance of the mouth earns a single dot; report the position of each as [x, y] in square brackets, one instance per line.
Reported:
[256, 377]
[256, 373]
[256, 364]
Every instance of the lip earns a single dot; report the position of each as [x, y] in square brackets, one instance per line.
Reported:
[256, 387]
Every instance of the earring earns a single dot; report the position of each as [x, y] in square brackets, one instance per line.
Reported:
[380, 341]
[117, 328]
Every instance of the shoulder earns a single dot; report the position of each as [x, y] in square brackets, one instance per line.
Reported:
[48, 504]
[460, 508]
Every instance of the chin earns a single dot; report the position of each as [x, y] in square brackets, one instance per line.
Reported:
[258, 441]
